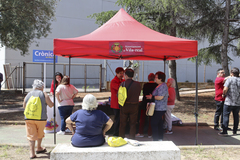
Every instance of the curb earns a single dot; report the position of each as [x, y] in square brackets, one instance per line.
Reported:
[207, 147]
[184, 124]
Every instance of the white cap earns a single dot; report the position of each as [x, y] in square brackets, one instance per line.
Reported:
[89, 102]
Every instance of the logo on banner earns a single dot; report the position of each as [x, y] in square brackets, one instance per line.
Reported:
[126, 48]
[117, 48]
[43, 56]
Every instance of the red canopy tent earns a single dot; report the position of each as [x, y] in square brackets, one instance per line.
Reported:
[122, 37]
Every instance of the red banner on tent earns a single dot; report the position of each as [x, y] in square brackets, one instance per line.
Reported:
[126, 48]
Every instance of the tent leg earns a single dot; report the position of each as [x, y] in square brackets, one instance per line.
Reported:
[196, 102]
[54, 108]
[69, 67]
[164, 61]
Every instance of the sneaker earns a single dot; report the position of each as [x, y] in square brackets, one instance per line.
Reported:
[139, 135]
[149, 136]
[223, 134]
[169, 132]
[68, 131]
[61, 132]
[218, 129]
[234, 133]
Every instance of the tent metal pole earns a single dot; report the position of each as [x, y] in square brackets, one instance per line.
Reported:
[54, 99]
[164, 62]
[196, 102]
[69, 64]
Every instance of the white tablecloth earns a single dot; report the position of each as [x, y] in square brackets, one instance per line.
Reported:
[49, 128]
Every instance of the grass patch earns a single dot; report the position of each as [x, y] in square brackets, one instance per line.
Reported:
[5, 154]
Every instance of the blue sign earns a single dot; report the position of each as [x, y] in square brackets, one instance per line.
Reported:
[43, 56]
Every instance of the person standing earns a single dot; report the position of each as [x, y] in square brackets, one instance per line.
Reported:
[65, 94]
[231, 91]
[35, 127]
[115, 83]
[170, 104]
[161, 98]
[130, 107]
[58, 78]
[147, 89]
[219, 100]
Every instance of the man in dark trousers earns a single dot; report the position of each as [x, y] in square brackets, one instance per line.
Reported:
[219, 82]
[231, 91]
[130, 107]
[115, 83]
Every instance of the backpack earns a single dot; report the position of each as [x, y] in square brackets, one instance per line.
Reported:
[33, 108]
[122, 93]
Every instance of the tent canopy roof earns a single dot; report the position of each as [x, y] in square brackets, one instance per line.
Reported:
[122, 37]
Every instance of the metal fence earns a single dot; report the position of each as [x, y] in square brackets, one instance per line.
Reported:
[86, 77]
[13, 76]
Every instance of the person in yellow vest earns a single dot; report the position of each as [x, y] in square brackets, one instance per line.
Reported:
[35, 104]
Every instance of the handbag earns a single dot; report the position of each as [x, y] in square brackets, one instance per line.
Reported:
[150, 109]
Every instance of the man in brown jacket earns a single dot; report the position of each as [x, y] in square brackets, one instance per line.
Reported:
[130, 108]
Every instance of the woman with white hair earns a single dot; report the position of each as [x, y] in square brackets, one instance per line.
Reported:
[89, 124]
[35, 124]
[170, 105]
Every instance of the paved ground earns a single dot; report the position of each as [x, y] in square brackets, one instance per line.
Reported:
[183, 136]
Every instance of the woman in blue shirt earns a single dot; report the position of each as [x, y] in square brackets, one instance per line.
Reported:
[89, 124]
[161, 97]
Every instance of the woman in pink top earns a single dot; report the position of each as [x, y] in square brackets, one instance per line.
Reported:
[170, 104]
[65, 93]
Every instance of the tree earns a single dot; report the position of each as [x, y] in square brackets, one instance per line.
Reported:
[22, 21]
[220, 25]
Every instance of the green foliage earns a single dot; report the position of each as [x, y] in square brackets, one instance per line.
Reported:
[210, 25]
[102, 17]
[22, 21]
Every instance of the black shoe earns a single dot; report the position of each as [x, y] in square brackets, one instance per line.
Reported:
[234, 133]
[223, 134]
[218, 129]
[229, 129]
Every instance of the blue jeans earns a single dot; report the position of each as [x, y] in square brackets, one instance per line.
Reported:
[226, 112]
[65, 112]
[157, 125]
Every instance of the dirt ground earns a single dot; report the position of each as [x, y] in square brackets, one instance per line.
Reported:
[184, 109]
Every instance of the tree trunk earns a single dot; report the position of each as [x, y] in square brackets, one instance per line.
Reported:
[224, 56]
[172, 74]
[172, 63]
